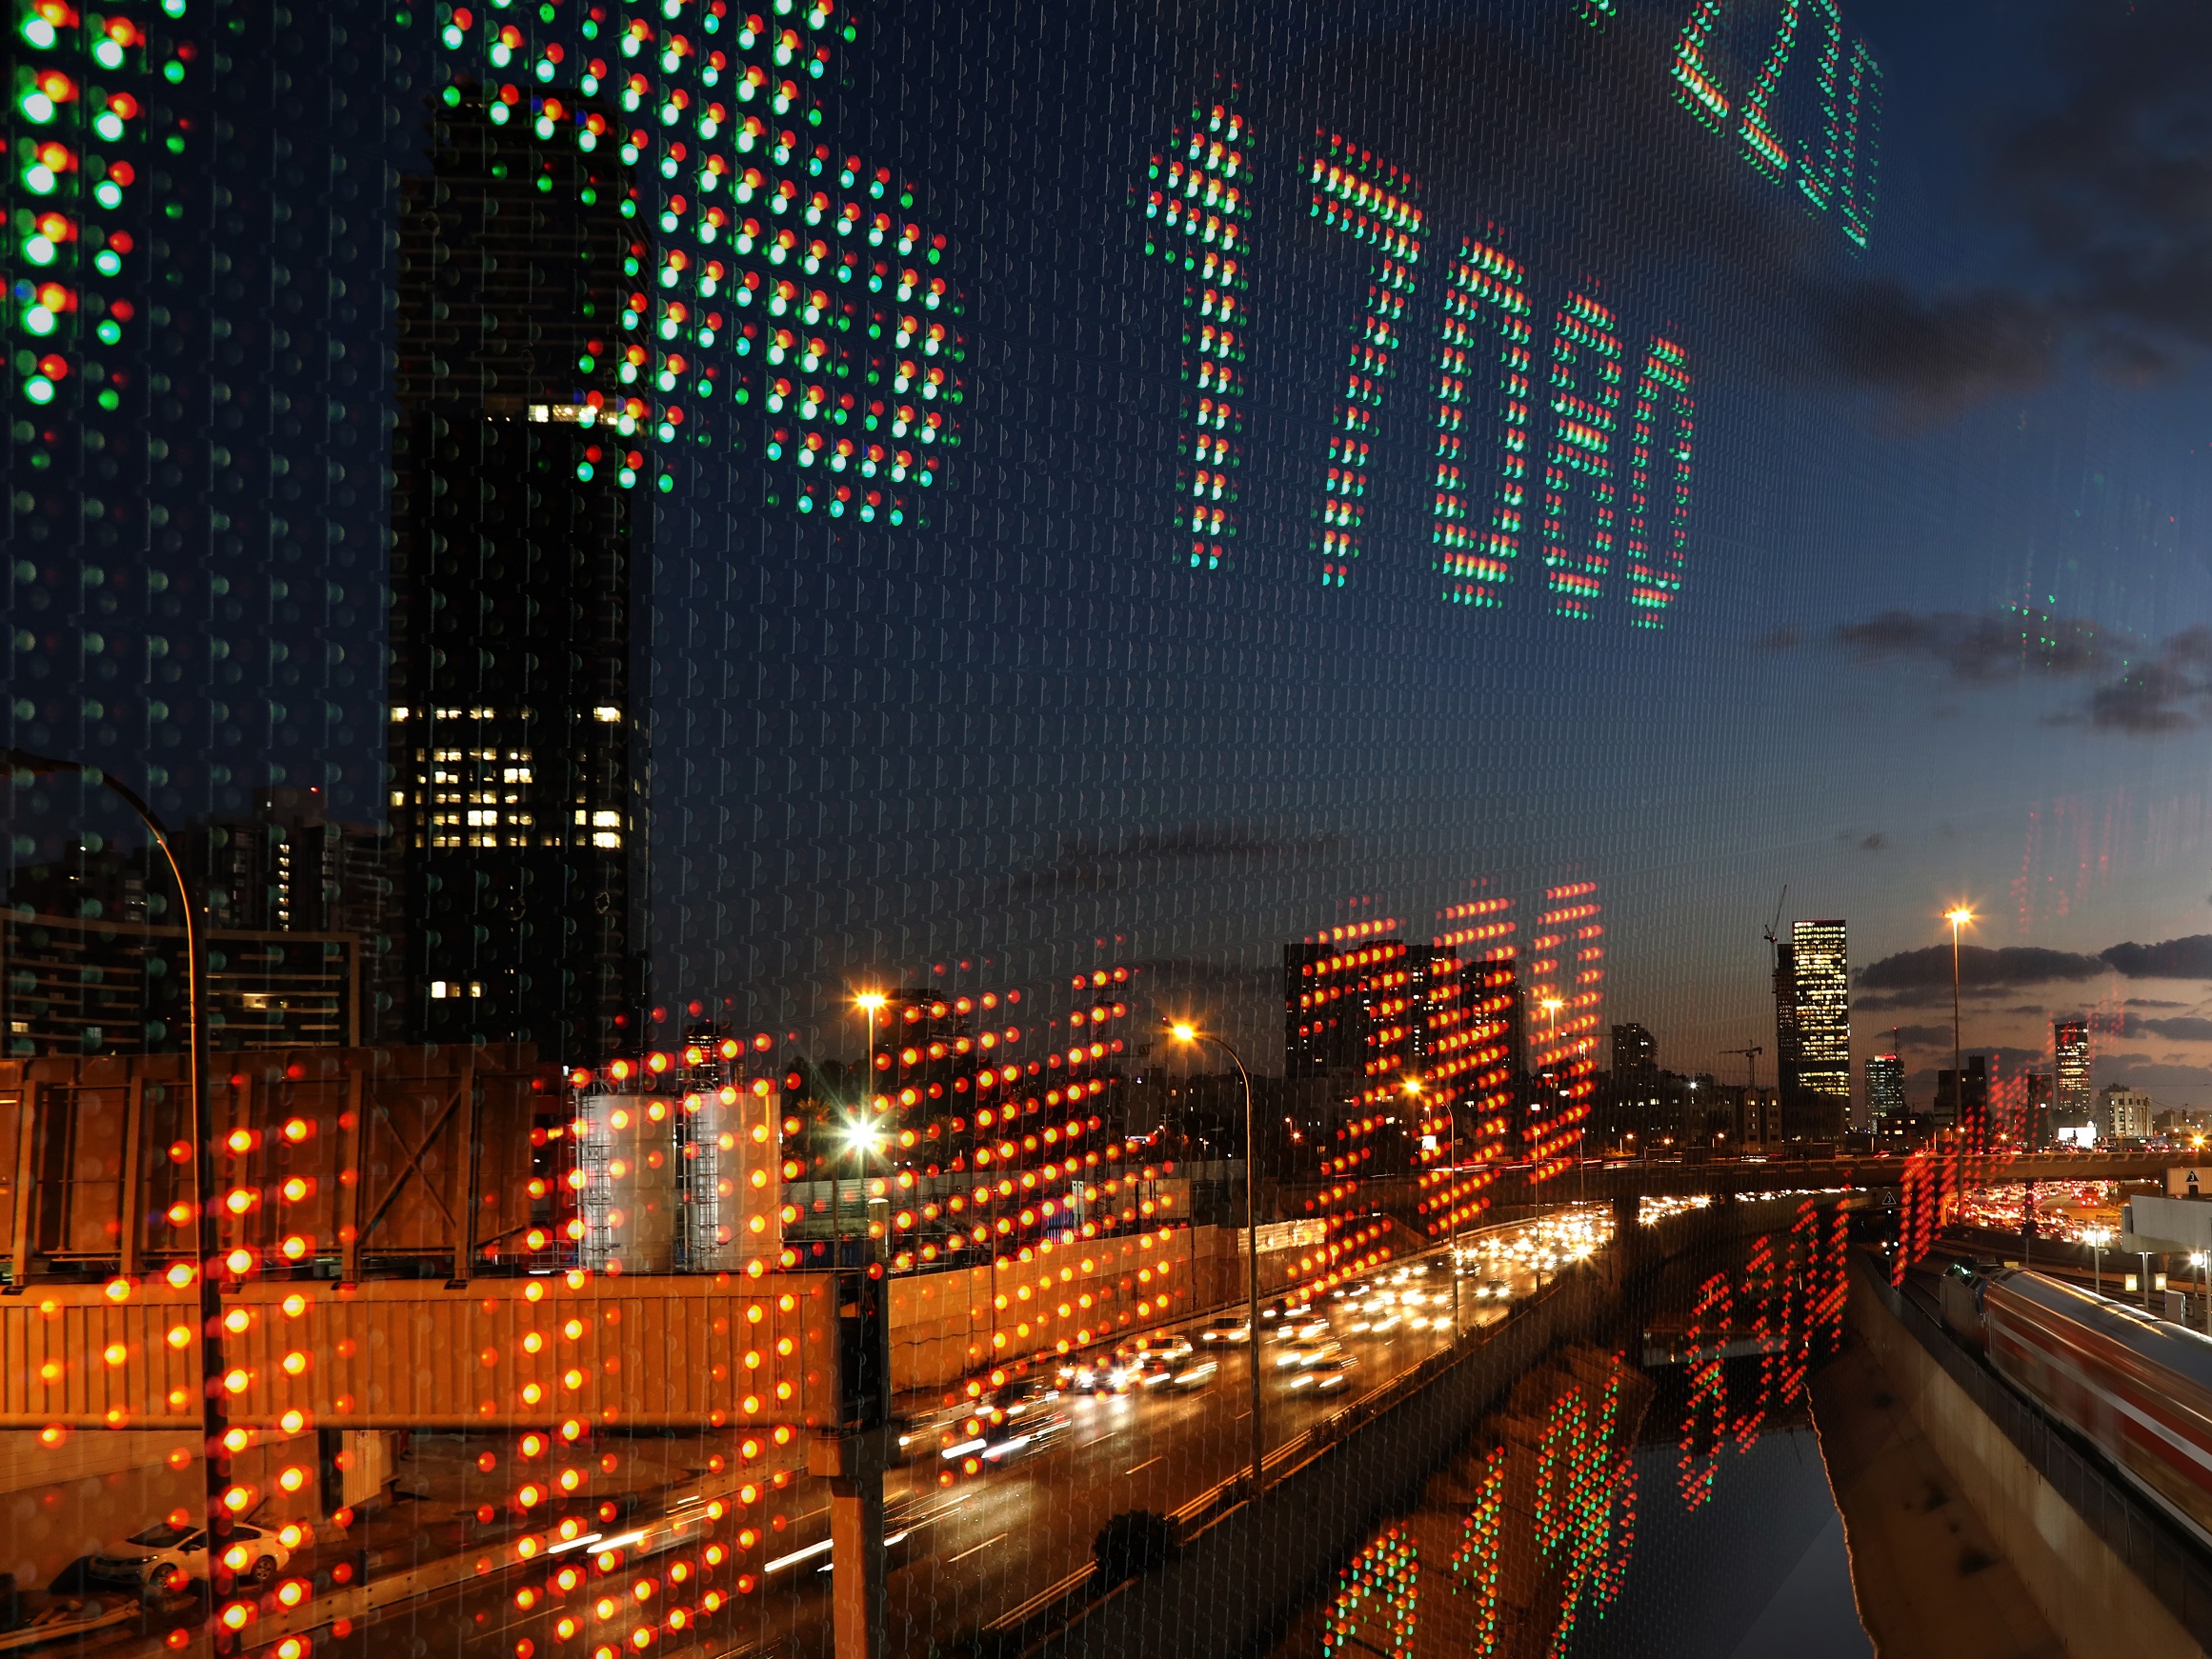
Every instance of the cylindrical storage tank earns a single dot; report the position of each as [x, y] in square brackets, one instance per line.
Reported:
[735, 1178]
[631, 1198]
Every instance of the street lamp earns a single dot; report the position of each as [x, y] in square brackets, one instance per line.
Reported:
[1958, 917]
[2097, 1238]
[1184, 1031]
[859, 1132]
[206, 1239]
[1416, 1088]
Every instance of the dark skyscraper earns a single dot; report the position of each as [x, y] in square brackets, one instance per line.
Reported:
[1635, 1052]
[516, 730]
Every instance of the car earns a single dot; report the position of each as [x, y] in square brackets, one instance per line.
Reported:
[1327, 1377]
[1004, 1442]
[1099, 1374]
[159, 1554]
[1194, 1372]
[1225, 1331]
[1302, 1353]
[1170, 1345]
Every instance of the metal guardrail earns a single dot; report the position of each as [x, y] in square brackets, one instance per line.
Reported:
[2169, 1564]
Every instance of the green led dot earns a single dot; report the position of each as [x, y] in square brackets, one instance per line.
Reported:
[584, 472]
[453, 97]
[109, 400]
[172, 71]
[110, 331]
[174, 143]
[667, 482]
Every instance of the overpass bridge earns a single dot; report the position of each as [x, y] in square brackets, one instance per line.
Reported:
[1622, 1181]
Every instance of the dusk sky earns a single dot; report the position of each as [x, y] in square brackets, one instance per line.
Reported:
[1942, 632]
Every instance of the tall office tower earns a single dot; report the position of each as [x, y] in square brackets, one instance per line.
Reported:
[1963, 1106]
[516, 749]
[2073, 1105]
[1348, 1013]
[1885, 1095]
[1813, 1031]
[290, 868]
[1634, 1052]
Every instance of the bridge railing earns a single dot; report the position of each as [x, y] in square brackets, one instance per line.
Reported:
[2150, 1546]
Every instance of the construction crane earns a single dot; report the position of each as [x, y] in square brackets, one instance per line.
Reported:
[1751, 1112]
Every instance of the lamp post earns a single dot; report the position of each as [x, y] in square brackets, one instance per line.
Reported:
[207, 1242]
[2097, 1238]
[1958, 916]
[1416, 1087]
[1185, 1032]
[860, 1131]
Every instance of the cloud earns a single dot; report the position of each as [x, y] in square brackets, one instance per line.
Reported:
[1981, 649]
[1873, 843]
[2171, 693]
[2151, 1002]
[2189, 958]
[2105, 185]
[2180, 1028]
[1979, 968]
[1941, 351]
[1787, 637]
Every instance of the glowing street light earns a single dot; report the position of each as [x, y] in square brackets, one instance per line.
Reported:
[1188, 1034]
[1958, 917]
[1415, 1088]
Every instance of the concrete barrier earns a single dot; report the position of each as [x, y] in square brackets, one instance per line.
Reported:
[2109, 1575]
[1247, 1570]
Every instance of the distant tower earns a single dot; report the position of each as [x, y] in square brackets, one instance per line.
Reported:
[1634, 1052]
[1811, 995]
[1885, 1095]
[2071, 1104]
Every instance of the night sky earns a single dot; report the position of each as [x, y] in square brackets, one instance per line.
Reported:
[1943, 632]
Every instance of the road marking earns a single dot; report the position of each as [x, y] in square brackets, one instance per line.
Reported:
[1142, 1467]
[965, 1553]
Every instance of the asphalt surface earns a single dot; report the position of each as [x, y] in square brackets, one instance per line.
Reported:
[970, 1551]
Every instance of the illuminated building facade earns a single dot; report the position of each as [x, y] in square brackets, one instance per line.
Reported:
[516, 742]
[1887, 1111]
[2072, 1105]
[1813, 1031]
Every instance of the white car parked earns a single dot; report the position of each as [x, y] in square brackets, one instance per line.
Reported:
[154, 1557]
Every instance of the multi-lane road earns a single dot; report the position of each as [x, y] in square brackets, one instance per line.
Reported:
[969, 1553]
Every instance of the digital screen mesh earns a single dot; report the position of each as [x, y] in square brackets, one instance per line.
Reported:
[791, 780]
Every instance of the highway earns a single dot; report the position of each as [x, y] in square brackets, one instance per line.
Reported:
[965, 1553]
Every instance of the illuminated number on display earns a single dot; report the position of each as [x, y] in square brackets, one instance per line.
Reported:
[1370, 201]
[763, 273]
[1662, 432]
[1198, 209]
[1377, 1601]
[1858, 119]
[1485, 293]
[1705, 1419]
[1837, 167]
[1585, 389]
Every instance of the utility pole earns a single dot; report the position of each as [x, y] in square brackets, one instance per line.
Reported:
[1751, 1056]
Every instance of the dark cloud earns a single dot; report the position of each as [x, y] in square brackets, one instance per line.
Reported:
[2151, 1002]
[2146, 693]
[1979, 968]
[1938, 352]
[1873, 843]
[2189, 958]
[2171, 693]
[2108, 183]
[1787, 637]
[1924, 1036]
[2179, 1029]
[1981, 649]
